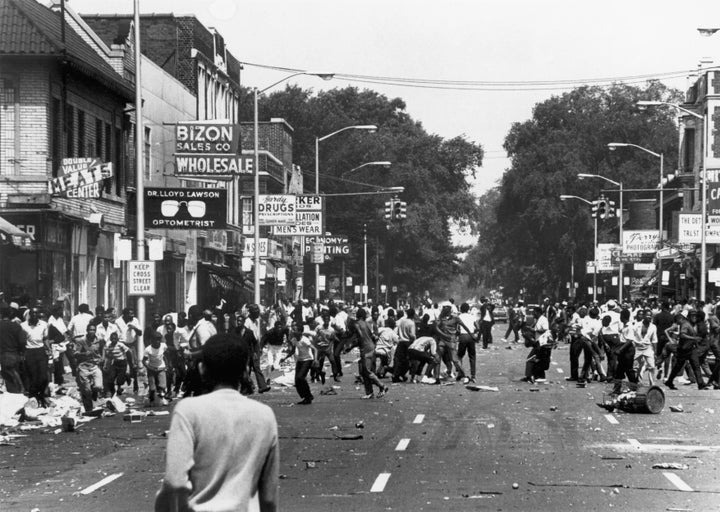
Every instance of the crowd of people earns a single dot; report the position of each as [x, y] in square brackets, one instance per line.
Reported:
[638, 342]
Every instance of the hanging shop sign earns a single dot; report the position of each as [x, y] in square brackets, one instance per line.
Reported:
[185, 208]
[80, 178]
[641, 241]
[209, 149]
[308, 218]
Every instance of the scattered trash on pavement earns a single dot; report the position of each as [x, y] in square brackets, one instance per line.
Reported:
[670, 465]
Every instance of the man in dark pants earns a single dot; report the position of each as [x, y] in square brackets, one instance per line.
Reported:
[625, 353]
[487, 319]
[663, 320]
[467, 335]
[365, 342]
[406, 335]
[253, 326]
[577, 343]
[12, 350]
[687, 351]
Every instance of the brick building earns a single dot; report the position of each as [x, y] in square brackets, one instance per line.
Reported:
[60, 98]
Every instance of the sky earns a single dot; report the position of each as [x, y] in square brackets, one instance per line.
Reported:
[456, 40]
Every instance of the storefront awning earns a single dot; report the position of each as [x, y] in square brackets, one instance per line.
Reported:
[10, 229]
[222, 276]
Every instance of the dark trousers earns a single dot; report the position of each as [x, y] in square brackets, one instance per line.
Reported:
[624, 368]
[328, 352]
[367, 362]
[421, 358]
[448, 355]
[36, 365]
[486, 333]
[10, 372]
[401, 361]
[711, 346]
[687, 356]
[514, 328]
[175, 363]
[336, 357]
[301, 384]
[467, 345]
[115, 375]
[254, 364]
[577, 347]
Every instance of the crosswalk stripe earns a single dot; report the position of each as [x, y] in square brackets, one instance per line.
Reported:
[402, 445]
[560, 370]
[380, 482]
[104, 481]
[611, 419]
[677, 482]
[419, 418]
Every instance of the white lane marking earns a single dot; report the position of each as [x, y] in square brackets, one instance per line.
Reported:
[554, 362]
[559, 370]
[402, 445]
[419, 418]
[380, 482]
[634, 443]
[657, 448]
[104, 481]
[678, 482]
[611, 419]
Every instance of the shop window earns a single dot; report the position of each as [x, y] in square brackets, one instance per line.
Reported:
[56, 134]
[81, 134]
[70, 132]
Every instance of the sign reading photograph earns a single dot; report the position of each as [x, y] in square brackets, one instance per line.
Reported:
[185, 208]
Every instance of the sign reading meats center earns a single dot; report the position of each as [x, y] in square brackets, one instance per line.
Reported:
[185, 208]
[308, 218]
[209, 149]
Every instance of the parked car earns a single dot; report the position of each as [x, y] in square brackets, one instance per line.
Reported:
[501, 313]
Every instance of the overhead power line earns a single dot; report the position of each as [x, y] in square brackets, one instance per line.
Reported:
[488, 85]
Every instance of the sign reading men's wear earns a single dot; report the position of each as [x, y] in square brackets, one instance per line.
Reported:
[141, 278]
[209, 149]
[185, 208]
[80, 178]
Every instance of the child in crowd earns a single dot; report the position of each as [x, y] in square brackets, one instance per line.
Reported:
[154, 362]
[115, 365]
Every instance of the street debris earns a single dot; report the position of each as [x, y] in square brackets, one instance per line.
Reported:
[473, 387]
[676, 408]
[360, 424]
[515, 485]
[670, 465]
[554, 408]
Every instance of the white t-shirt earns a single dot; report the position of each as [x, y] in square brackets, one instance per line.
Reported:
[155, 359]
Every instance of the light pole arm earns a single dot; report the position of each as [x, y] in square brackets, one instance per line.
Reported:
[355, 127]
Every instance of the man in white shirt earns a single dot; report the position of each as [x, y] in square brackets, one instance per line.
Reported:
[467, 338]
[253, 325]
[645, 339]
[542, 338]
[37, 353]
[129, 329]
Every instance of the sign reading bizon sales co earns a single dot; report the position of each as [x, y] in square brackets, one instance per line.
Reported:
[185, 208]
[209, 149]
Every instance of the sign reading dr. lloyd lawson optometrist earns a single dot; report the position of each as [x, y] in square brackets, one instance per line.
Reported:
[185, 208]
[209, 148]
[80, 178]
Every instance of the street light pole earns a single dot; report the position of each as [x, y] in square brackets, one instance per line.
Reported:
[139, 172]
[703, 181]
[365, 279]
[256, 175]
[620, 225]
[368, 127]
[612, 146]
[565, 197]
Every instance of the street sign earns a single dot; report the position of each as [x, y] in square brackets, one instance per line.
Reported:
[185, 208]
[318, 253]
[141, 278]
[249, 247]
[604, 257]
[209, 149]
[335, 245]
[81, 177]
[690, 229]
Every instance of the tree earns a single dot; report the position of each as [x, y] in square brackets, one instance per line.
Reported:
[416, 252]
[537, 235]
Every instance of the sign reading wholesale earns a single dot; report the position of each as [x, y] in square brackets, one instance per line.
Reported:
[209, 149]
[185, 208]
[81, 177]
[308, 218]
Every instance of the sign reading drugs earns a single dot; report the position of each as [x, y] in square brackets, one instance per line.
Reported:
[81, 177]
[209, 149]
[185, 208]
[275, 210]
[641, 241]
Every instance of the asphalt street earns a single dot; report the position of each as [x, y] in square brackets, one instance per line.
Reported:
[540, 447]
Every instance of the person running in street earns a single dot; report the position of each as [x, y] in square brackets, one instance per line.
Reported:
[386, 341]
[116, 355]
[130, 330]
[37, 354]
[154, 362]
[273, 341]
[625, 353]
[406, 335]
[324, 342]
[305, 359]
[252, 334]
[364, 340]
[222, 447]
[687, 352]
[89, 355]
[645, 340]
[487, 319]
[542, 337]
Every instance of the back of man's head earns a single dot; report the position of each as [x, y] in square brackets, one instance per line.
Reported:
[224, 359]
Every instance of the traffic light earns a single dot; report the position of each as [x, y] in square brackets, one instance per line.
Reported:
[611, 209]
[388, 210]
[399, 209]
[602, 208]
[594, 209]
